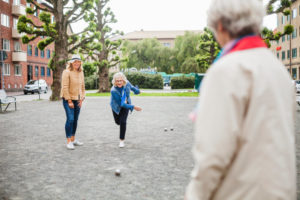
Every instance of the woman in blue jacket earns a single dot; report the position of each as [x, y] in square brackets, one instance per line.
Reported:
[120, 102]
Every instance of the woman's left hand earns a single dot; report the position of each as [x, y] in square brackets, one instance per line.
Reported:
[80, 103]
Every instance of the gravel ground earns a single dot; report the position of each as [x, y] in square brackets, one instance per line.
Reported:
[155, 165]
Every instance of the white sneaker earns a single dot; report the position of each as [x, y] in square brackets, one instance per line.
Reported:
[122, 144]
[77, 143]
[70, 146]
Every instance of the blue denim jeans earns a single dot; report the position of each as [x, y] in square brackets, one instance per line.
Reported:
[72, 118]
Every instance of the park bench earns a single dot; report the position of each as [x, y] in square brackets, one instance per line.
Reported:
[6, 100]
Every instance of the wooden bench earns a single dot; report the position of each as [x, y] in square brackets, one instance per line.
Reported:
[6, 100]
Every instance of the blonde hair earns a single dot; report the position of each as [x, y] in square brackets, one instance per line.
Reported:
[71, 68]
[238, 17]
[116, 75]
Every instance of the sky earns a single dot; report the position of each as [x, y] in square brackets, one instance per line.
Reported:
[135, 15]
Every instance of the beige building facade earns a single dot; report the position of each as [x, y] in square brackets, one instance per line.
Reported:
[287, 49]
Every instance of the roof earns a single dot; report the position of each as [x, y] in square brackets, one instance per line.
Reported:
[137, 35]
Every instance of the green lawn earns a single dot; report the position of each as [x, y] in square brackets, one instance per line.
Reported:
[174, 94]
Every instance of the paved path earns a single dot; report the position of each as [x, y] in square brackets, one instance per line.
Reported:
[155, 165]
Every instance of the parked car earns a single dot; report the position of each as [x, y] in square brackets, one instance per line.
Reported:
[297, 85]
[36, 86]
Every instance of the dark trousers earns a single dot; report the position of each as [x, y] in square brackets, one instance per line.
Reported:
[72, 118]
[121, 120]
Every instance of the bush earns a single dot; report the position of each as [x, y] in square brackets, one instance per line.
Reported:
[182, 82]
[91, 82]
[146, 81]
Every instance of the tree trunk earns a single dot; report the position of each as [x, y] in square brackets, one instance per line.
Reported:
[61, 51]
[103, 79]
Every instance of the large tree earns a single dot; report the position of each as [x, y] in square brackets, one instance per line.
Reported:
[104, 50]
[65, 12]
[208, 48]
[276, 7]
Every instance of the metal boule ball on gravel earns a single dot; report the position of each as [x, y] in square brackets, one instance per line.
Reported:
[166, 129]
[172, 129]
[118, 172]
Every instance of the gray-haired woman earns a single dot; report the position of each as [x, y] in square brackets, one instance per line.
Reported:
[121, 102]
[244, 133]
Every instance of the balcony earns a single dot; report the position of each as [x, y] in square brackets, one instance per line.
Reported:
[16, 34]
[19, 56]
[18, 10]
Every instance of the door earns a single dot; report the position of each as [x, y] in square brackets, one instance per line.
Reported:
[29, 73]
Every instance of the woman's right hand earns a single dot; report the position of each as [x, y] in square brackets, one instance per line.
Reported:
[70, 103]
[137, 108]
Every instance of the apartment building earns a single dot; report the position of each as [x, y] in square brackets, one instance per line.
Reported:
[287, 49]
[166, 38]
[24, 62]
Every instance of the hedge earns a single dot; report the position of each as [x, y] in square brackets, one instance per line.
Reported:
[182, 82]
[146, 81]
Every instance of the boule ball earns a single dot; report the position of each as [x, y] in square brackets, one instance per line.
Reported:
[166, 129]
[172, 129]
[118, 172]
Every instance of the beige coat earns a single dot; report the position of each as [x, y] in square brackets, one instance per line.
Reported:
[72, 85]
[244, 133]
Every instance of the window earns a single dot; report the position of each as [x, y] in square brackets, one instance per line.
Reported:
[28, 5]
[166, 44]
[48, 71]
[16, 2]
[288, 37]
[6, 45]
[288, 18]
[278, 55]
[288, 54]
[48, 53]
[294, 13]
[283, 55]
[18, 71]
[36, 71]
[294, 73]
[294, 34]
[42, 71]
[29, 50]
[294, 53]
[282, 19]
[52, 19]
[283, 38]
[4, 20]
[17, 46]
[15, 23]
[36, 51]
[6, 70]
[42, 53]
[7, 1]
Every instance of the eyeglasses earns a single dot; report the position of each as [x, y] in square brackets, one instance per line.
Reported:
[119, 80]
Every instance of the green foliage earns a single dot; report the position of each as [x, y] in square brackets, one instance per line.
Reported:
[288, 29]
[89, 69]
[91, 82]
[192, 53]
[147, 81]
[284, 8]
[182, 82]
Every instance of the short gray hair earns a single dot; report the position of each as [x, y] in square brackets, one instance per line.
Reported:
[116, 75]
[238, 17]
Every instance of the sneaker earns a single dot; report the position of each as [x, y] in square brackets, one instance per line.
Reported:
[77, 143]
[70, 146]
[122, 144]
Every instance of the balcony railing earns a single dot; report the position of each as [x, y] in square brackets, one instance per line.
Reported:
[18, 10]
[19, 56]
[16, 34]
